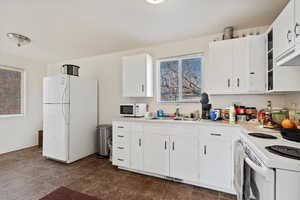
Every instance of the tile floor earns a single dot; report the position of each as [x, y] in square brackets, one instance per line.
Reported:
[26, 175]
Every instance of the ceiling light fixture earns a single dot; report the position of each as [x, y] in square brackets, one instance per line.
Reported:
[20, 40]
[155, 1]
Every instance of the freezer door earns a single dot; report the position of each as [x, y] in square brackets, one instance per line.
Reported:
[56, 128]
[56, 89]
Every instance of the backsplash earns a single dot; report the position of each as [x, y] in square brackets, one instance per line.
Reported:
[221, 101]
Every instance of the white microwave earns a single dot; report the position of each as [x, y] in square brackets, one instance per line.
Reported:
[133, 110]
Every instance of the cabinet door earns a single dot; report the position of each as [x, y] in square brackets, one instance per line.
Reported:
[240, 69]
[257, 64]
[134, 76]
[284, 30]
[219, 72]
[216, 163]
[297, 21]
[136, 150]
[156, 153]
[183, 157]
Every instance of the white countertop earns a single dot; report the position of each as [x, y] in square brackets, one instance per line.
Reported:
[172, 121]
[256, 144]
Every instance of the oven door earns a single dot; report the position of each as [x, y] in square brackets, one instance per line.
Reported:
[263, 178]
[127, 110]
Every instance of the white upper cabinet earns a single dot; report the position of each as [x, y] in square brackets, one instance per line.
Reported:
[219, 73]
[137, 76]
[283, 29]
[257, 64]
[240, 67]
[297, 22]
[286, 30]
[237, 66]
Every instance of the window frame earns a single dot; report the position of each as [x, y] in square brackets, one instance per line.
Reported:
[23, 91]
[179, 58]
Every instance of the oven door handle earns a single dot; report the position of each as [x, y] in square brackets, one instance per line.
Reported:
[264, 171]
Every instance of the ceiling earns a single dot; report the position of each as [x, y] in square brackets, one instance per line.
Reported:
[65, 29]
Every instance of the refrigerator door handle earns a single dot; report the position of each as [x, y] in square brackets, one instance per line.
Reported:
[62, 102]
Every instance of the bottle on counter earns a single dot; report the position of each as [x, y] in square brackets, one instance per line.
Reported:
[268, 114]
[232, 115]
[292, 113]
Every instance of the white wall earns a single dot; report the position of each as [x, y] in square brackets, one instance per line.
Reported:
[107, 69]
[21, 132]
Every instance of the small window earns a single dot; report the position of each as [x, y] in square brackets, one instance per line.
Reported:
[11, 91]
[180, 79]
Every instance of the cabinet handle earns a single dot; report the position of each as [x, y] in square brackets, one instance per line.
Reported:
[296, 29]
[120, 147]
[288, 36]
[140, 142]
[228, 83]
[215, 134]
[173, 146]
[238, 82]
[143, 88]
[120, 126]
[252, 73]
[205, 150]
[121, 160]
[165, 145]
[120, 136]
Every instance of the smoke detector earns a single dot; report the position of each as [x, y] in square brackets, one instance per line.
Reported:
[20, 40]
[155, 1]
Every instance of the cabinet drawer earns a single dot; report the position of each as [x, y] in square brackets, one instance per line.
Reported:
[121, 156]
[121, 152]
[217, 132]
[122, 127]
[121, 140]
[122, 162]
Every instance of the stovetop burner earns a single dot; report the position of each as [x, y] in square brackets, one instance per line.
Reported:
[262, 135]
[285, 151]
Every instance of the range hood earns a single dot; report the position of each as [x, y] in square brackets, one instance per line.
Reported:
[290, 57]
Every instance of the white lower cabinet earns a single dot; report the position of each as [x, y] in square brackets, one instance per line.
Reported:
[156, 153]
[199, 155]
[184, 157]
[136, 150]
[216, 162]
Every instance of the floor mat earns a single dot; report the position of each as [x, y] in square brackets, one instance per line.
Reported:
[64, 193]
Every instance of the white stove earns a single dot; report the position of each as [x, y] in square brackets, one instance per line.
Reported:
[277, 176]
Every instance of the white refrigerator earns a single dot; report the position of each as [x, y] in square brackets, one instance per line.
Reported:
[69, 117]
